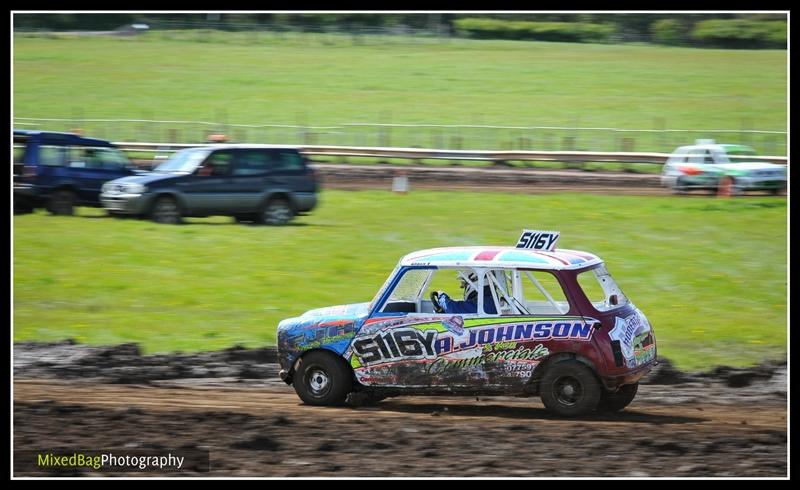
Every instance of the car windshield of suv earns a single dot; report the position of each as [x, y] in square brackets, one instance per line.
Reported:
[184, 161]
[600, 289]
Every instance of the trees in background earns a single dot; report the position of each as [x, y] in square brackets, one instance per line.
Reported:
[718, 30]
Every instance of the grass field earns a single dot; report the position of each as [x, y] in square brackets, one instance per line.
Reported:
[262, 79]
[710, 274]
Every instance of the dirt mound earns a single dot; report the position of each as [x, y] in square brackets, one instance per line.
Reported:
[125, 363]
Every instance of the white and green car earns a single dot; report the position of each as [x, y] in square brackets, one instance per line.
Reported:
[709, 166]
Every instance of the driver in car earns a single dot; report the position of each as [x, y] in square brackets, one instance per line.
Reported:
[442, 303]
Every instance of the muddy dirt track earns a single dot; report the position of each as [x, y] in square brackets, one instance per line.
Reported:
[497, 179]
[723, 423]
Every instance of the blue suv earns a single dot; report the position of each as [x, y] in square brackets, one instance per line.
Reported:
[59, 171]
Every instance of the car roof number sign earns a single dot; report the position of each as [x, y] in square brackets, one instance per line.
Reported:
[538, 240]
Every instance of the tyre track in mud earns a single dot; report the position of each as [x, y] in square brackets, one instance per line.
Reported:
[725, 422]
[268, 432]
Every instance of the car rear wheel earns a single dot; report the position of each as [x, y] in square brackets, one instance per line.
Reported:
[62, 203]
[322, 379]
[680, 187]
[276, 212]
[569, 388]
[777, 191]
[614, 402]
[728, 187]
[22, 206]
[166, 211]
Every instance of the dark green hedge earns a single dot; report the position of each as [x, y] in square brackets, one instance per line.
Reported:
[540, 31]
[741, 34]
[668, 31]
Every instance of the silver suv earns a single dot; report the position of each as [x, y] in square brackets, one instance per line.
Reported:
[253, 183]
[708, 165]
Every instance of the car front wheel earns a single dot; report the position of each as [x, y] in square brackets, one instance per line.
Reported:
[322, 379]
[62, 203]
[680, 187]
[166, 210]
[570, 388]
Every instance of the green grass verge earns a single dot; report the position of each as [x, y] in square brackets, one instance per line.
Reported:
[710, 274]
[322, 80]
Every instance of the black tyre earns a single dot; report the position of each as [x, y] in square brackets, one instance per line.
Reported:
[166, 210]
[614, 402]
[244, 218]
[62, 203]
[323, 379]
[777, 191]
[22, 206]
[570, 388]
[276, 212]
[680, 187]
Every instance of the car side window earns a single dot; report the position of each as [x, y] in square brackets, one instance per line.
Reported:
[19, 154]
[251, 162]
[217, 164]
[287, 161]
[112, 158]
[708, 159]
[696, 156]
[720, 157]
[542, 294]
[52, 156]
[85, 157]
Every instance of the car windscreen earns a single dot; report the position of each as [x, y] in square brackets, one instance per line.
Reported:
[383, 288]
[184, 161]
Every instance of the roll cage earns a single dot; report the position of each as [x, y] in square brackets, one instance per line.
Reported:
[505, 285]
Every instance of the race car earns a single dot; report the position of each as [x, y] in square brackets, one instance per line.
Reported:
[711, 166]
[550, 322]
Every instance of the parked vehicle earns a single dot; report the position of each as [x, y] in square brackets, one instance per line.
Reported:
[59, 171]
[261, 183]
[563, 330]
[707, 165]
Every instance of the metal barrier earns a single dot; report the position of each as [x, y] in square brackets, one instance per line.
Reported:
[483, 137]
[432, 154]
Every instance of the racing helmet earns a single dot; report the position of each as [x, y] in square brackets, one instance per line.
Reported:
[470, 293]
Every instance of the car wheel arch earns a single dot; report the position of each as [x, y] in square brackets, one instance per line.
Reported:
[63, 186]
[283, 194]
[532, 387]
[176, 196]
[299, 360]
